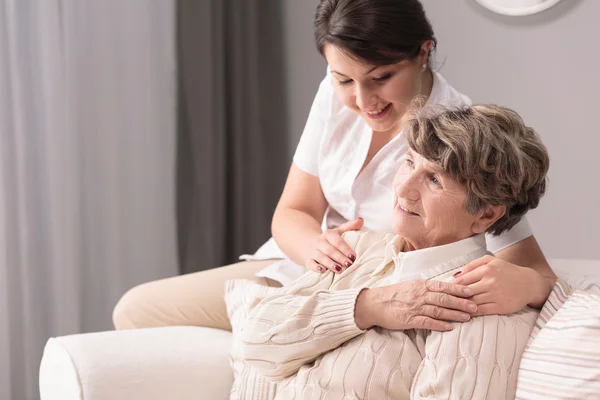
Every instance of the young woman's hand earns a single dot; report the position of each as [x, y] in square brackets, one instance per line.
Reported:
[416, 304]
[331, 251]
[500, 287]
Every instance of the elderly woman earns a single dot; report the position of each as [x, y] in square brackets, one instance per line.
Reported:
[468, 172]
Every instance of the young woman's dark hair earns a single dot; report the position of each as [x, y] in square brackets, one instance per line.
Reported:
[377, 32]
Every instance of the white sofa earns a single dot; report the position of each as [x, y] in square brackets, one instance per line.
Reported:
[177, 363]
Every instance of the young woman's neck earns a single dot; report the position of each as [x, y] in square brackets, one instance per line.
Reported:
[427, 83]
[426, 87]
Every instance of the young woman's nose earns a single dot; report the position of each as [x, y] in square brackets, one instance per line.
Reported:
[366, 99]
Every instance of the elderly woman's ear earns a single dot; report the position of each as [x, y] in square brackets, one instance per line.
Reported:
[487, 217]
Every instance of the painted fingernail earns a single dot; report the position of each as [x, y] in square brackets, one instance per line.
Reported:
[457, 274]
[338, 268]
[352, 257]
[347, 264]
[472, 307]
[320, 269]
[468, 292]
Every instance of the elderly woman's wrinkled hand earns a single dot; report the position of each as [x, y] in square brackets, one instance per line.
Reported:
[499, 286]
[416, 304]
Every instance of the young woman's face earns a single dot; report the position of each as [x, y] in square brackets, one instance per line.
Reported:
[381, 95]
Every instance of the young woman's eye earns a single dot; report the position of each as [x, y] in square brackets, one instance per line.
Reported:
[345, 82]
[410, 163]
[383, 78]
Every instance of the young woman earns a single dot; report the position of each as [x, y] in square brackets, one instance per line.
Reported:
[379, 63]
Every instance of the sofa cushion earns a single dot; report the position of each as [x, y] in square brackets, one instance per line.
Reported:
[183, 363]
[562, 360]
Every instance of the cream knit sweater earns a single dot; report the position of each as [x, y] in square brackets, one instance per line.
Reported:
[301, 341]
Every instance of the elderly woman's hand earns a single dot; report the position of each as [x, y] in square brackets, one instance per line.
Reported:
[501, 287]
[414, 305]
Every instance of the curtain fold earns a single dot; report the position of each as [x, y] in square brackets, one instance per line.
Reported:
[87, 168]
[232, 137]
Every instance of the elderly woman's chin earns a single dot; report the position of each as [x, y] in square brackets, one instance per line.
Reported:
[446, 226]
[406, 223]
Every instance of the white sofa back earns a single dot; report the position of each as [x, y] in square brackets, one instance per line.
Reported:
[179, 363]
[175, 363]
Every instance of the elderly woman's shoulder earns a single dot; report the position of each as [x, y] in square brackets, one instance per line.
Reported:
[365, 239]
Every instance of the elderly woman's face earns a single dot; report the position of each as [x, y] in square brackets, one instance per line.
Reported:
[429, 206]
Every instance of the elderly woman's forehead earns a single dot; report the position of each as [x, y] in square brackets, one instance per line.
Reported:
[422, 160]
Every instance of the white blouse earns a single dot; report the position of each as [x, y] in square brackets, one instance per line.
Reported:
[333, 147]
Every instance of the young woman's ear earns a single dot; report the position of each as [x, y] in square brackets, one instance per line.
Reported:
[424, 53]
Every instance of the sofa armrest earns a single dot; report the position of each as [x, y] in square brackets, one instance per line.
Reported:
[150, 364]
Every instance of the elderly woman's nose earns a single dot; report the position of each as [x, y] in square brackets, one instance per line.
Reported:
[407, 189]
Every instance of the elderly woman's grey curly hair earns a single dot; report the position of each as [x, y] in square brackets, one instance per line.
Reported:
[490, 150]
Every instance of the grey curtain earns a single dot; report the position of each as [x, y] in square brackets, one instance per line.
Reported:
[231, 157]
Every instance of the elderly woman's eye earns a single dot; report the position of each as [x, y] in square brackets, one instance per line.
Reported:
[435, 180]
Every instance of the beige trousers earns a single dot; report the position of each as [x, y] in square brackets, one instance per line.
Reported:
[195, 299]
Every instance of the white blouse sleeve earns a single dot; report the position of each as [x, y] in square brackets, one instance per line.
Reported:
[521, 231]
[307, 152]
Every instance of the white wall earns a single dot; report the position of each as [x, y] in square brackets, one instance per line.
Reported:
[543, 66]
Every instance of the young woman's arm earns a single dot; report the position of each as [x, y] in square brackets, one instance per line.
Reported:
[527, 253]
[296, 226]
[518, 276]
